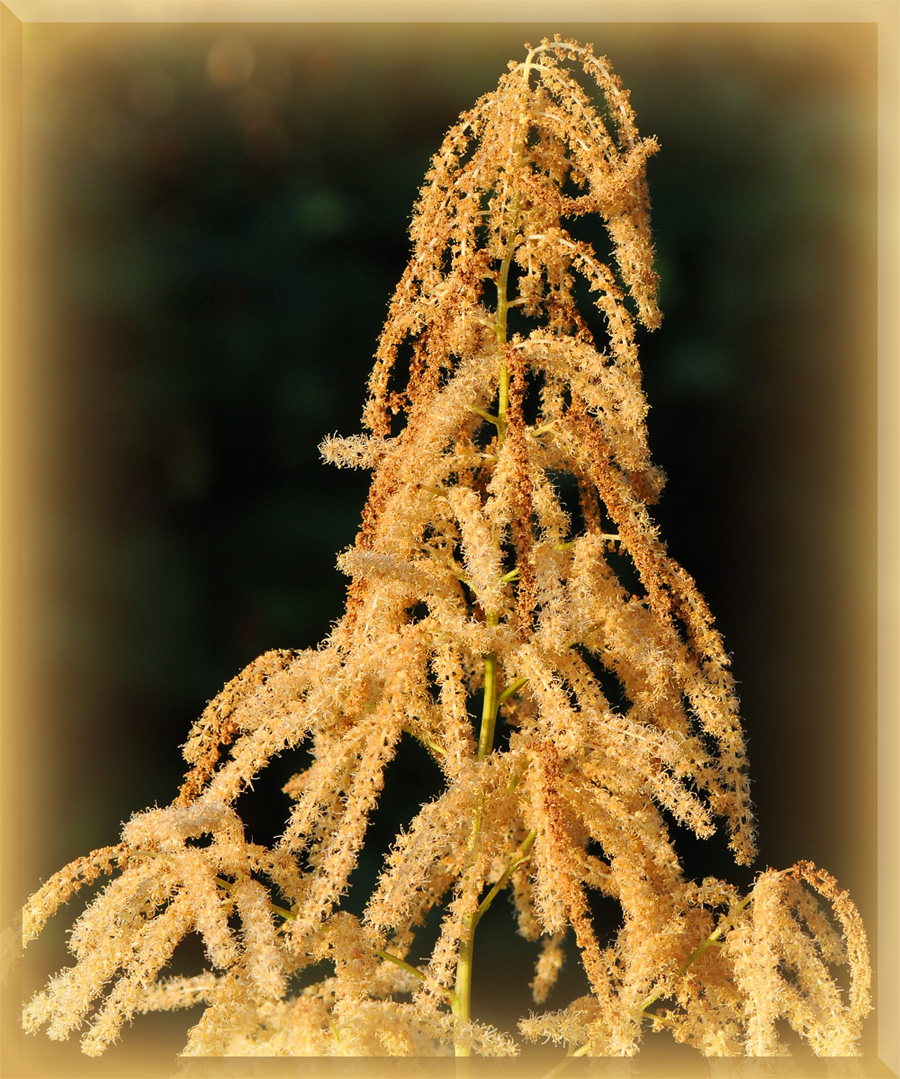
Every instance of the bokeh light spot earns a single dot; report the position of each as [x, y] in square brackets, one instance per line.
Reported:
[230, 62]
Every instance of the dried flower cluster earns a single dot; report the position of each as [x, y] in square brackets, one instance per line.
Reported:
[506, 565]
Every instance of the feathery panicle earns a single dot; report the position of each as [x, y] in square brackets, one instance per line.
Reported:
[577, 722]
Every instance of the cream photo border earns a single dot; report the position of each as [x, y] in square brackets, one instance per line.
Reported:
[15, 468]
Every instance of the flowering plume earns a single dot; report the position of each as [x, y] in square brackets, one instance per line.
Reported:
[512, 607]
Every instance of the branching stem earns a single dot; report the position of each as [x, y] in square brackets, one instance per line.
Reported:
[710, 941]
[462, 997]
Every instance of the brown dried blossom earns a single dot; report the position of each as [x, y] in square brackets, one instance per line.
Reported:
[476, 585]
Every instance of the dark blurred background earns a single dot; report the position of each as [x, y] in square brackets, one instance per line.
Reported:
[215, 220]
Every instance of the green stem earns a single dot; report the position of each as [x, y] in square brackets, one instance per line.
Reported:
[500, 325]
[566, 1061]
[710, 941]
[503, 301]
[462, 1004]
[448, 995]
[426, 741]
[517, 859]
[510, 690]
[490, 703]
[289, 915]
[489, 416]
[503, 308]
[492, 697]
[462, 996]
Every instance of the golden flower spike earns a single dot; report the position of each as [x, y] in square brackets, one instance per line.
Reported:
[475, 590]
